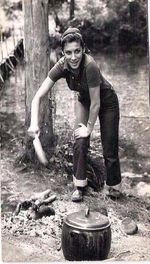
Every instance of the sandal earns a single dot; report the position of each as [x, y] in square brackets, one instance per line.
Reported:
[77, 196]
[114, 193]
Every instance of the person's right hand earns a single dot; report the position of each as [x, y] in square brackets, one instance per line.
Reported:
[33, 131]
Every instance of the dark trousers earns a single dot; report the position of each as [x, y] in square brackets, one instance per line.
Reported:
[109, 126]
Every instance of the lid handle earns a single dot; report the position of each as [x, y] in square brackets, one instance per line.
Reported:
[87, 211]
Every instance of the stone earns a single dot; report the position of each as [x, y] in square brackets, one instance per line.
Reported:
[143, 189]
[129, 226]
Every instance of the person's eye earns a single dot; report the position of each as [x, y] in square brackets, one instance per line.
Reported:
[68, 52]
[77, 51]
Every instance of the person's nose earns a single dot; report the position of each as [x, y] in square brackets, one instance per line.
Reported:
[73, 56]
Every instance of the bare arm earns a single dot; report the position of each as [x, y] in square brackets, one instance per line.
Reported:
[94, 107]
[42, 91]
[85, 131]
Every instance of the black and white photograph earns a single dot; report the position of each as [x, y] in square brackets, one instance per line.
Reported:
[75, 130]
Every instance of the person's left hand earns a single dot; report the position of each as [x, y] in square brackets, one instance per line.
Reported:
[82, 131]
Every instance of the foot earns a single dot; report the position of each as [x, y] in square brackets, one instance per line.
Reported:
[113, 191]
[77, 195]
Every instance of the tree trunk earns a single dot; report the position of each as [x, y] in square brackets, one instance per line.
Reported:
[72, 7]
[36, 45]
[134, 8]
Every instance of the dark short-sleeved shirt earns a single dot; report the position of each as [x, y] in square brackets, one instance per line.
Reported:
[81, 80]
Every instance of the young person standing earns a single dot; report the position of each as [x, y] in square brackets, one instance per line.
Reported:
[96, 98]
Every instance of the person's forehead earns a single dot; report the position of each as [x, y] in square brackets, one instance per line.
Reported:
[72, 45]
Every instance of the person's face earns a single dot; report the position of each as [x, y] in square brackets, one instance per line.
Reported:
[73, 53]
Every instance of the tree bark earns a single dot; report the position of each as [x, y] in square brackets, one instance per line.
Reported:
[36, 46]
[72, 7]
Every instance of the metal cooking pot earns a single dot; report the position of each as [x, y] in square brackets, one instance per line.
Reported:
[86, 235]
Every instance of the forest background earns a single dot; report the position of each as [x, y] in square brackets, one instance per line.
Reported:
[116, 32]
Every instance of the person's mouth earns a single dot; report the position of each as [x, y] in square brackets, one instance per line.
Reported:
[74, 63]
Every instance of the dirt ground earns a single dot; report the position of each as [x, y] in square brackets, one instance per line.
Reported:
[26, 240]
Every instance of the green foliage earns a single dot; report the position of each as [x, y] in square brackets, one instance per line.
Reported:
[110, 21]
[56, 4]
[91, 10]
[9, 7]
[94, 8]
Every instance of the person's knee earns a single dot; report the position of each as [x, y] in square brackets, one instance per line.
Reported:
[81, 144]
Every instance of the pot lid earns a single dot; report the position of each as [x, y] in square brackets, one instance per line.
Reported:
[87, 220]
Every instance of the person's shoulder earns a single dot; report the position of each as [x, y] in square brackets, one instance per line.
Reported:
[90, 63]
[60, 63]
[57, 71]
[59, 66]
[89, 60]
